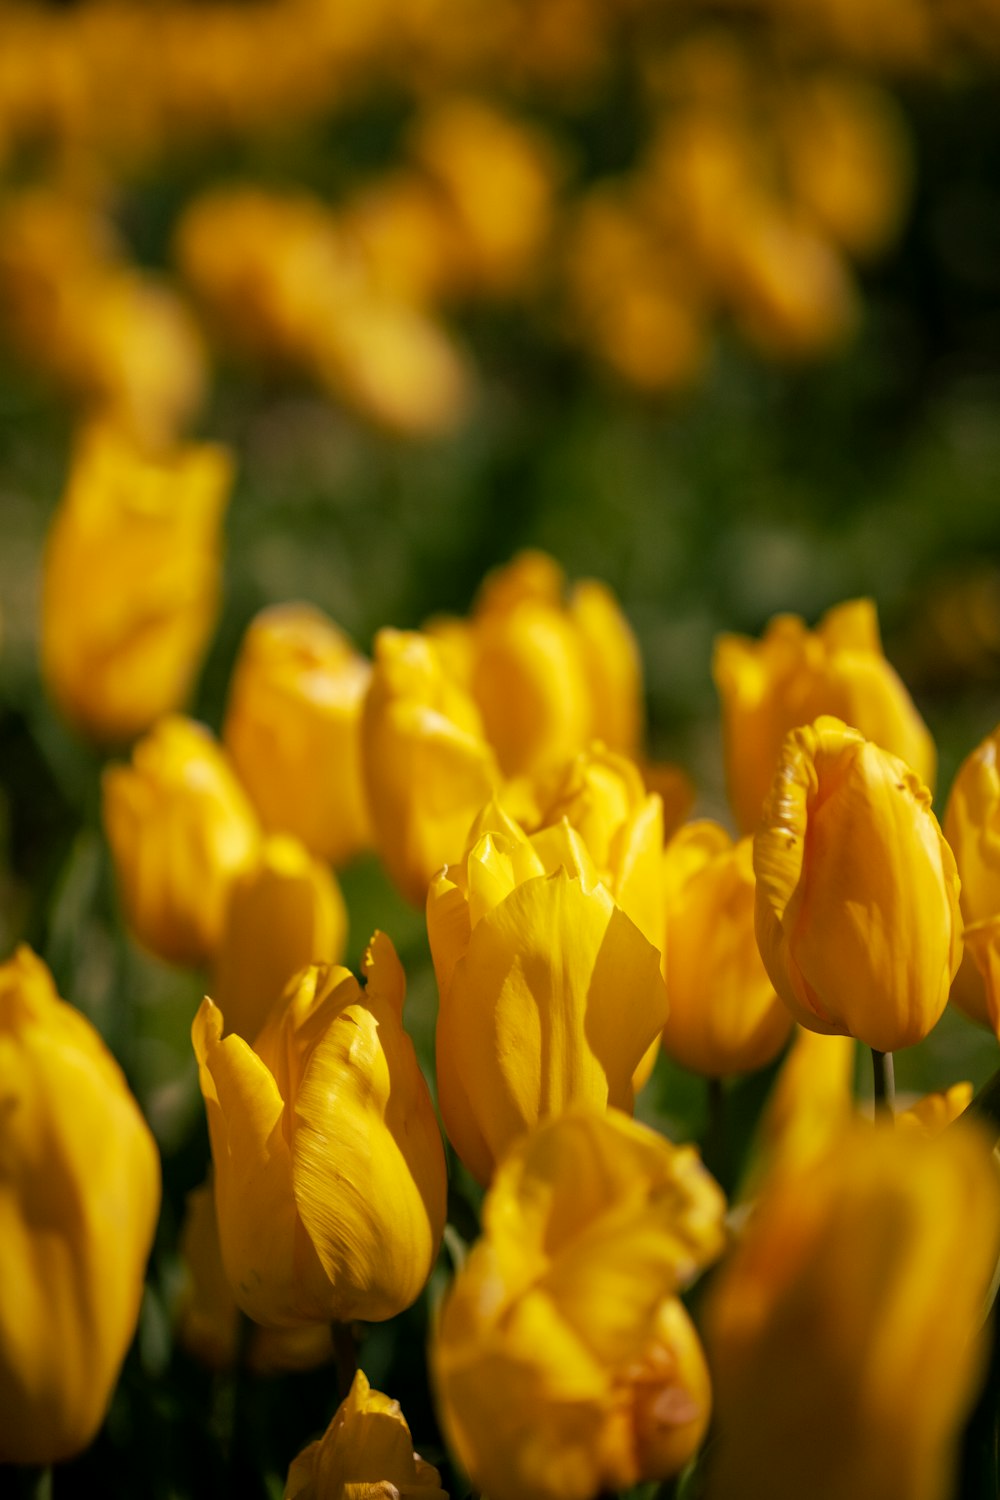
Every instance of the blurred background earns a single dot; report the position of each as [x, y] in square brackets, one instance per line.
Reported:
[703, 299]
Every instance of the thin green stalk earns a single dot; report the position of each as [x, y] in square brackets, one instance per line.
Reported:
[885, 1084]
[345, 1353]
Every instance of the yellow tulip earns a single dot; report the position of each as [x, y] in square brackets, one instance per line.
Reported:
[329, 1169]
[79, 1198]
[181, 830]
[842, 1336]
[293, 729]
[792, 676]
[131, 582]
[562, 1362]
[972, 828]
[366, 1453]
[208, 1320]
[857, 910]
[810, 1104]
[283, 913]
[935, 1112]
[724, 1015]
[982, 945]
[428, 768]
[550, 995]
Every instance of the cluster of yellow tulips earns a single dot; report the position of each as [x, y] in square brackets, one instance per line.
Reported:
[578, 922]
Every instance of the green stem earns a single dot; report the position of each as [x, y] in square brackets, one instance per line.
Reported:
[885, 1084]
[345, 1353]
[714, 1150]
[26, 1482]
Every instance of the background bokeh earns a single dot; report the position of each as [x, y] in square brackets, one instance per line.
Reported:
[704, 301]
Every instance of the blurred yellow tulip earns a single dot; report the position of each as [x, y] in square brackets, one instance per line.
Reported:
[366, 1453]
[935, 1112]
[562, 1361]
[79, 1198]
[810, 1104]
[972, 828]
[283, 913]
[550, 995]
[329, 1168]
[180, 830]
[791, 677]
[131, 582]
[857, 911]
[843, 1335]
[293, 729]
[428, 768]
[724, 1016]
[208, 1320]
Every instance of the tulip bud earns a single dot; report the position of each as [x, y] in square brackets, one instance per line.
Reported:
[550, 995]
[283, 914]
[724, 1015]
[365, 1452]
[208, 1320]
[428, 768]
[329, 1169]
[562, 1363]
[810, 1104]
[843, 1334]
[972, 828]
[293, 729]
[180, 830]
[792, 676]
[131, 582]
[79, 1198]
[857, 911]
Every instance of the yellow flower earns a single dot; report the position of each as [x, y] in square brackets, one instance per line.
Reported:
[935, 1112]
[208, 1320]
[793, 675]
[972, 828]
[180, 830]
[329, 1168]
[857, 895]
[843, 1334]
[283, 913]
[810, 1104]
[550, 995]
[724, 1015]
[563, 1364]
[79, 1198]
[293, 729]
[428, 768]
[131, 582]
[551, 674]
[366, 1453]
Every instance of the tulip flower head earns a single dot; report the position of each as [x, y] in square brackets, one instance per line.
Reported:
[843, 1335]
[131, 582]
[794, 675]
[180, 830]
[329, 1168]
[724, 1017]
[79, 1198]
[366, 1451]
[550, 995]
[293, 729]
[563, 1362]
[857, 913]
[972, 828]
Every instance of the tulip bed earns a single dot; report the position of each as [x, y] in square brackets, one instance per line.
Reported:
[468, 865]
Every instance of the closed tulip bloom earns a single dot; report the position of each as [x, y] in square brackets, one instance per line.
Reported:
[180, 830]
[972, 828]
[293, 729]
[79, 1198]
[562, 1362]
[550, 995]
[810, 1104]
[131, 582]
[982, 947]
[843, 1336]
[283, 913]
[724, 1017]
[857, 909]
[329, 1167]
[794, 675]
[366, 1453]
[428, 768]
